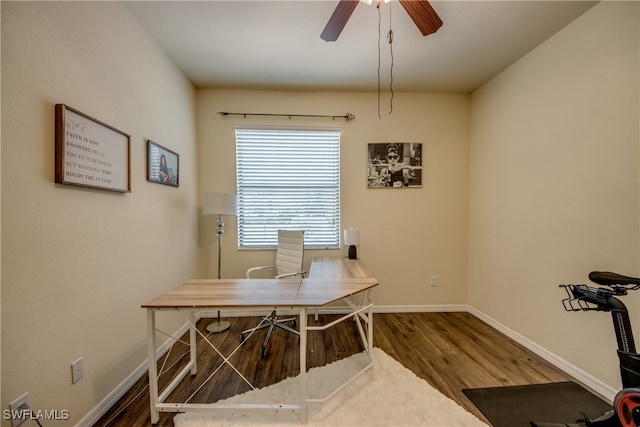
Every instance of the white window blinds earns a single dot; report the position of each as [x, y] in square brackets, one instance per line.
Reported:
[288, 179]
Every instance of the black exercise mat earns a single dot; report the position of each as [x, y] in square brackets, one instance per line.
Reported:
[516, 406]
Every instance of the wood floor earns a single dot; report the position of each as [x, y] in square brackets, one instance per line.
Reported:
[451, 351]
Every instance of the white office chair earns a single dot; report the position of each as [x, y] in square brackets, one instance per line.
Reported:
[289, 258]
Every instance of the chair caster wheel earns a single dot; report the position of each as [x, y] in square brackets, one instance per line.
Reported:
[264, 353]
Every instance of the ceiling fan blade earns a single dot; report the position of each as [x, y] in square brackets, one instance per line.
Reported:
[338, 20]
[423, 15]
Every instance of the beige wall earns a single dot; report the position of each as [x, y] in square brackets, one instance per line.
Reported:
[554, 184]
[77, 263]
[407, 235]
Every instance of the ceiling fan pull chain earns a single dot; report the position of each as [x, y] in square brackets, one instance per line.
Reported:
[391, 72]
[390, 38]
[379, 60]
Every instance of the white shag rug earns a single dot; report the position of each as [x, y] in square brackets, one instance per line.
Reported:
[386, 395]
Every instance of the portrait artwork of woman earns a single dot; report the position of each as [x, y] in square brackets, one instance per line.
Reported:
[395, 165]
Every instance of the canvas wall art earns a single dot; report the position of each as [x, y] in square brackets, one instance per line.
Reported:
[394, 165]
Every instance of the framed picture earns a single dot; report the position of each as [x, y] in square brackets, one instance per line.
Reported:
[394, 165]
[162, 165]
[90, 153]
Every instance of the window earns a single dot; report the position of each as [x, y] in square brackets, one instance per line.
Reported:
[288, 179]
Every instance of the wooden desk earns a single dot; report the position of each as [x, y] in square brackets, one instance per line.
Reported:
[330, 280]
[229, 293]
[338, 268]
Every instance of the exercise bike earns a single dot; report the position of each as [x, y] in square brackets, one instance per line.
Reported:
[626, 405]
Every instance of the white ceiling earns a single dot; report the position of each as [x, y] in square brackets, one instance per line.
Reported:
[276, 44]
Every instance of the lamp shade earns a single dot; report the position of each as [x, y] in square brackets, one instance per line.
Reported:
[219, 204]
[351, 236]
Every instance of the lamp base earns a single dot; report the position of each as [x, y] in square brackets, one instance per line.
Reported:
[352, 252]
[219, 326]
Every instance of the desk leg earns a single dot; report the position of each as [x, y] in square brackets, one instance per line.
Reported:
[192, 342]
[153, 367]
[303, 365]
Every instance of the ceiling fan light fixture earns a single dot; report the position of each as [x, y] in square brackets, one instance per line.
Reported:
[420, 11]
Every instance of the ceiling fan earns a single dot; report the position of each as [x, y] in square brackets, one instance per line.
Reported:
[420, 11]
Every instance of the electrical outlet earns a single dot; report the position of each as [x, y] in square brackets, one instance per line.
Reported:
[77, 370]
[19, 410]
[434, 280]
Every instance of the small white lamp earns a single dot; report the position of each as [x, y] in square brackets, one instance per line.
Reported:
[219, 204]
[352, 239]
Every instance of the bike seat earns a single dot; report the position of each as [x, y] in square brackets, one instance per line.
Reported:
[607, 278]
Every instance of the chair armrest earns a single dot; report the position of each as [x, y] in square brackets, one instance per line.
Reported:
[301, 273]
[262, 267]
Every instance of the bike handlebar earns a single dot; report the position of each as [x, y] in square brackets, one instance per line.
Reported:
[580, 296]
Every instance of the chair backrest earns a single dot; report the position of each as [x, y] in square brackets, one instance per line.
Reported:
[290, 252]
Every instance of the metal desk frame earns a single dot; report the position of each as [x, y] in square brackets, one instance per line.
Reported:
[311, 293]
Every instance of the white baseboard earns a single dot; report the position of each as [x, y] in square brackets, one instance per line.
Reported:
[604, 390]
[448, 308]
[598, 387]
[337, 309]
[112, 398]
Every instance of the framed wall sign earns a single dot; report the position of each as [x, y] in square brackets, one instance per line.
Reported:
[90, 153]
[394, 165]
[162, 165]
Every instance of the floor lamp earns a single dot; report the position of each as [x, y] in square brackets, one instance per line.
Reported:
[219, 204]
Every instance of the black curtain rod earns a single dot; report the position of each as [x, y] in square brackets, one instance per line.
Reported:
[348, 117]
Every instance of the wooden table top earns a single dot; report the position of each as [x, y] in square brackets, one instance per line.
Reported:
[229, 293]
[330, 279]
[319, 292]
[342, 268]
